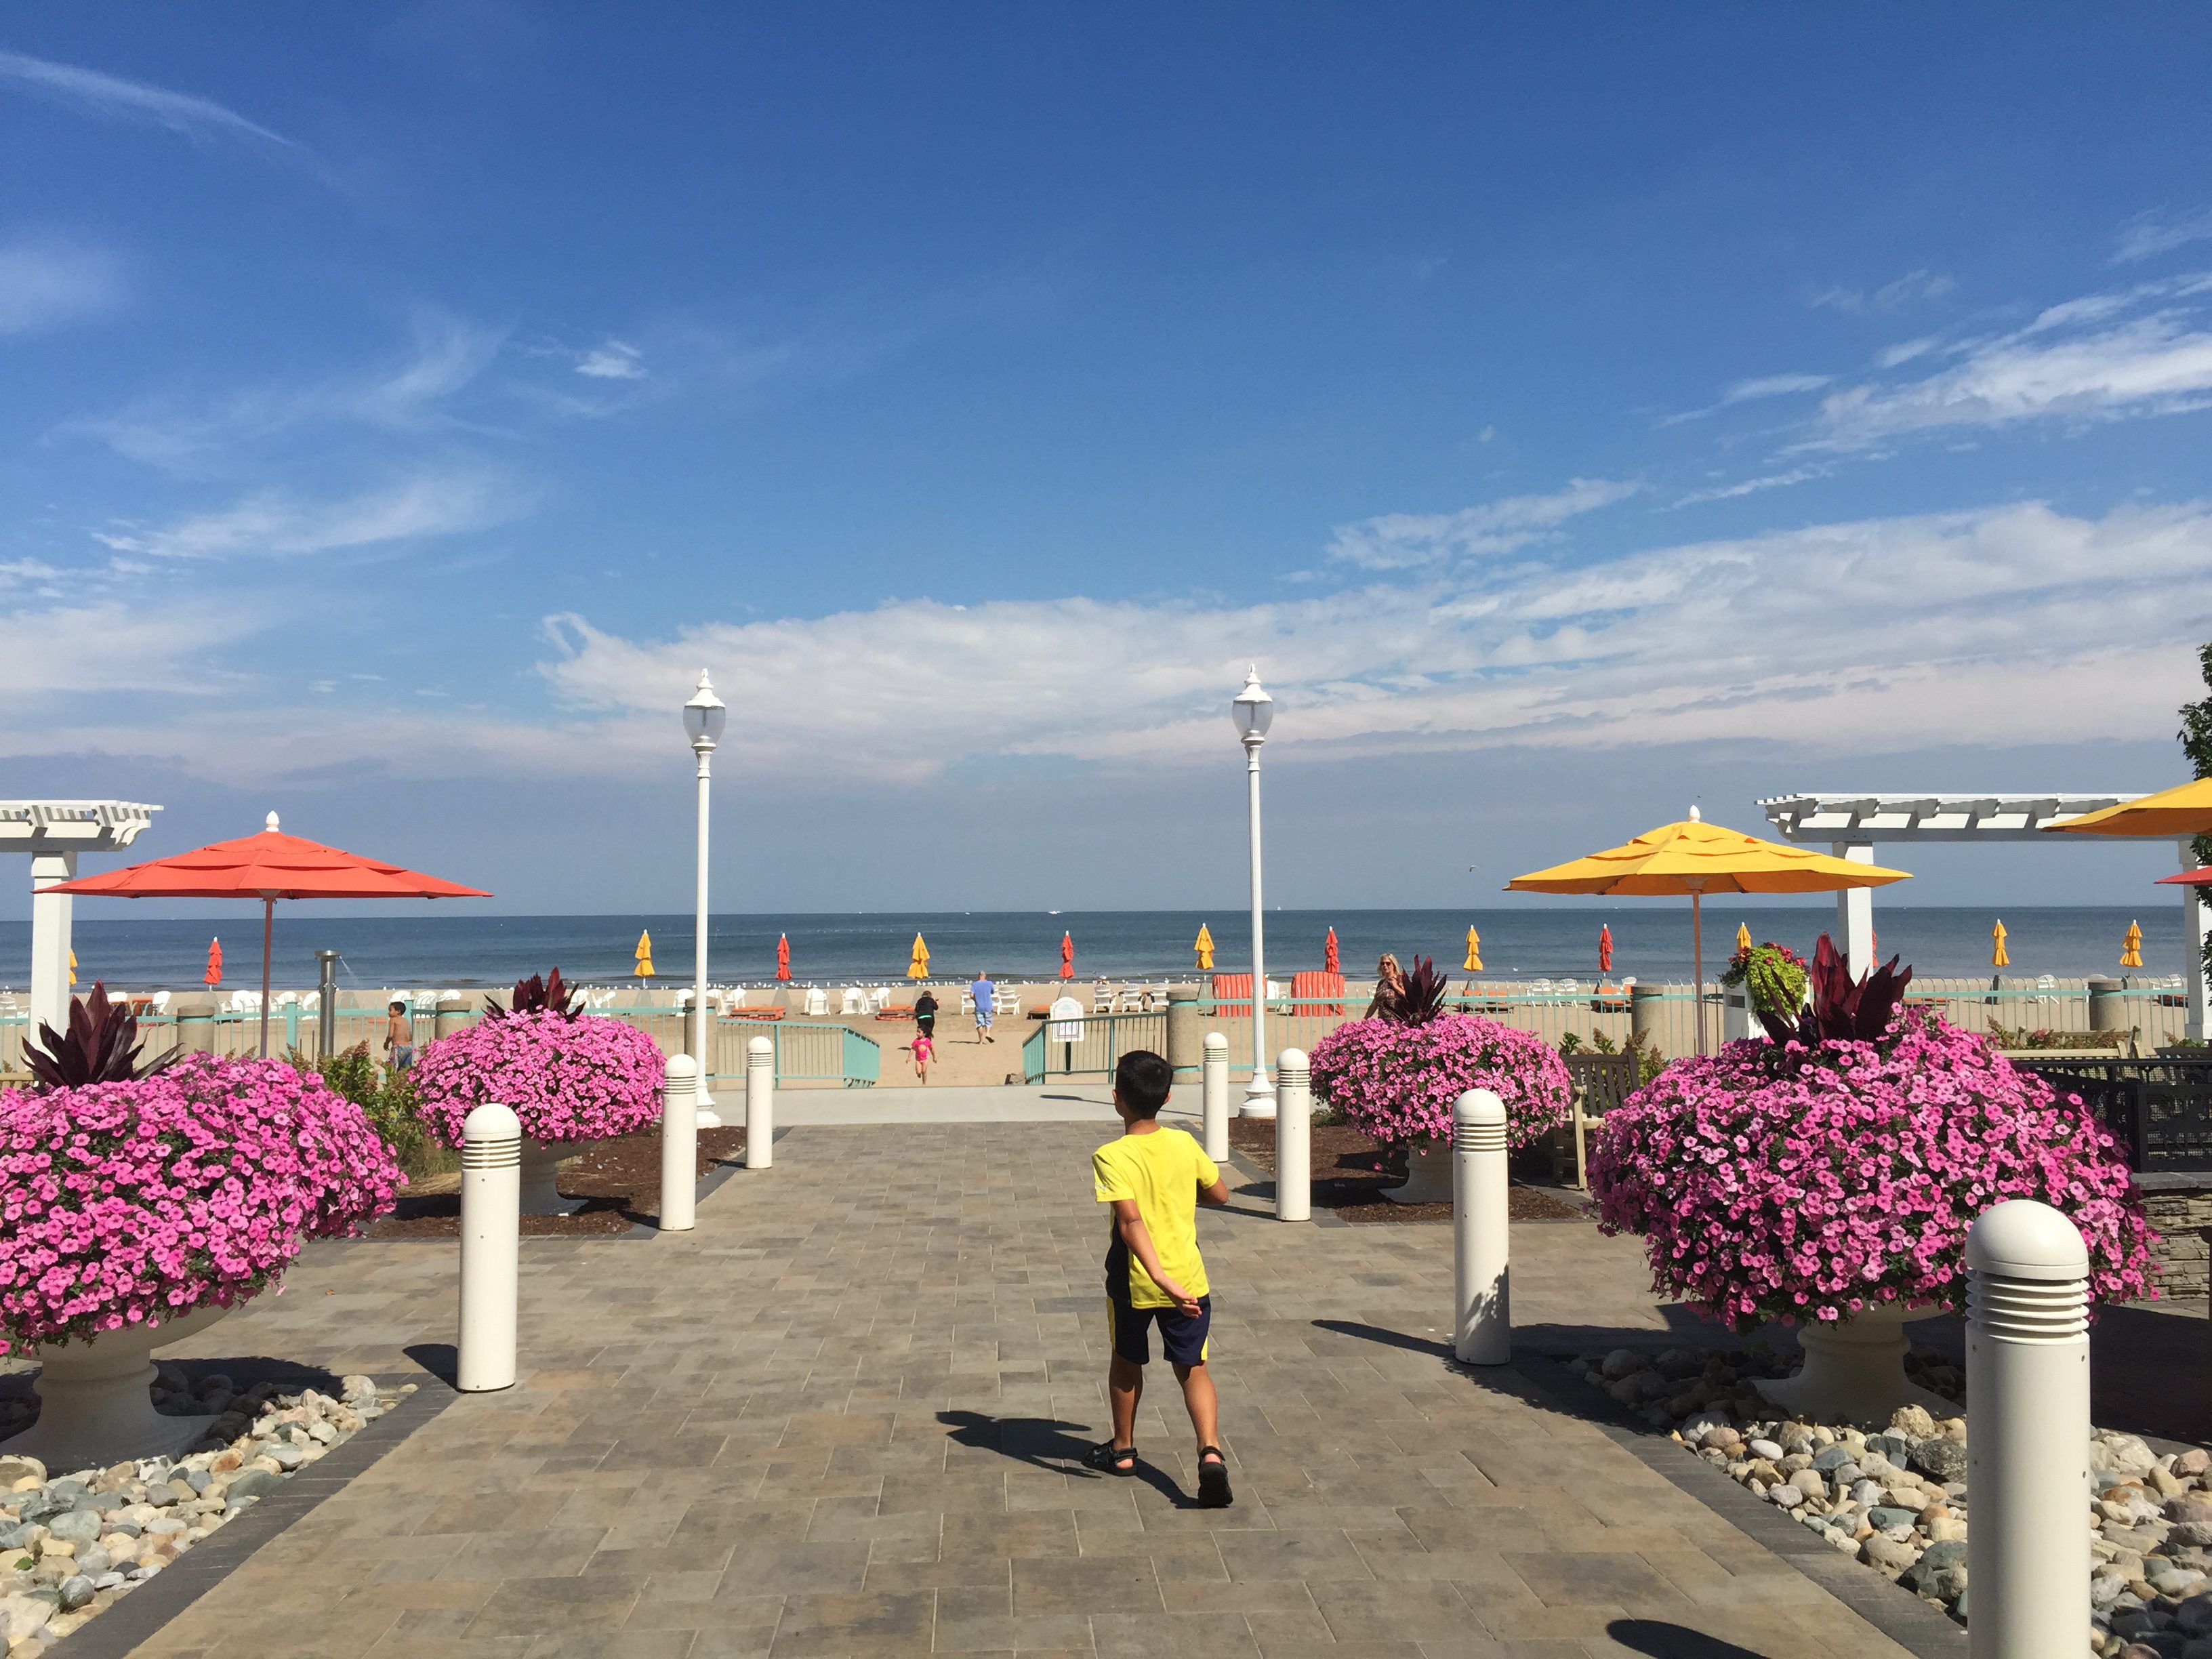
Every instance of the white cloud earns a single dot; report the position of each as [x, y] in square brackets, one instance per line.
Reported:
[1774, 386]
[613, 361]
[135, 100]
[270, 525]
[46, 282]
[1911, 289]
[1795, 475]
[1905, 350]
[72, 654]
[1405, 541]
[2160, 232]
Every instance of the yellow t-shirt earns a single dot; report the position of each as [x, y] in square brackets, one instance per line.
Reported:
[1162, 1171]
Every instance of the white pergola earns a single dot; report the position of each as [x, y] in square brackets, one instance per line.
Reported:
[1852, 823]
[53, 832]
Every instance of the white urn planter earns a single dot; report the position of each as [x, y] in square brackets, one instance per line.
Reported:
[95, 1399]
[1428, 1175]
[1854, 1370]
[540, 1164]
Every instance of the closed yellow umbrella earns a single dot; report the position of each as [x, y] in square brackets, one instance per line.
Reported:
[1474, 963]
[1743, 936]
[1692, 856]
[1204, 945]
[1998, 956]
[2131, 946]
[644, 954]
[918, 968]
[2185, 810]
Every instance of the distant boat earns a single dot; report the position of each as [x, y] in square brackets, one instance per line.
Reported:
[1052, 913]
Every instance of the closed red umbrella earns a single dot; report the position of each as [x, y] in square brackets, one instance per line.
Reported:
[214, 974]
[1067, 955]
[1604, 948]
[1331, 963]
[267, 866]
[783, 956]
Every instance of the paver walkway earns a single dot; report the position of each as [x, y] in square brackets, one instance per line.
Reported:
[840, 1418]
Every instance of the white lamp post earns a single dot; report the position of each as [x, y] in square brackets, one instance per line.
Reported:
[1254, 710]
[703, 718]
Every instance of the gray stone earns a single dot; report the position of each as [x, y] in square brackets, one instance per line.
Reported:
[1939, 1459]
[252, 1484]
[2194, 1617]
[76, 1526]
[1767, 1450]
[75, 1592]
[1833, 1458]
[282, 1453]
[2176, 1582]
[107, 1581]
[322, 1433]
[91, 1560]
[1865, 1493]
[1882, 1516]
[1887, 1555]
[1787, 1496]
[1622, 1362]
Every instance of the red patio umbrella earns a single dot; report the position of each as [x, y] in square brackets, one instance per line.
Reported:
[1331, 963]
[214, 974]
[2200, 877]
[1067, 955]
[783, 956]
[1604, 948]
[267, 866]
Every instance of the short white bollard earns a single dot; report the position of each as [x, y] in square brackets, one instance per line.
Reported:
[679, 1145]
[760, 1103]
[491, 1247]
[1293, 1136]
[2027, 1453]
[1482, 1311]
[1213, 1096]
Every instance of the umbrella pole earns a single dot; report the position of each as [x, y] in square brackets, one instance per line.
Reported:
[1698, 960]
[268, 934]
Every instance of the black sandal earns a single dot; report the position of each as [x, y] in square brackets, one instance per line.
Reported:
[1213, 1491]
[1107, 1459]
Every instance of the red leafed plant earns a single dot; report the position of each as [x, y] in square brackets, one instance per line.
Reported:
[1843, 1010]
[1420, 999]
[100, 1046]
[537, 995]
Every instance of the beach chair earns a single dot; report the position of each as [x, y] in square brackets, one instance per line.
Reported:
[880, 998]
[1129, 1000]
[853, 1002]
[817, 1002]
[1600, 1082]
[966, 1002]
[1006, 1003]
[1102, 998]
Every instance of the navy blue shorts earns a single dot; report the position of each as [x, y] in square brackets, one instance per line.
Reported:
[1183, 1338]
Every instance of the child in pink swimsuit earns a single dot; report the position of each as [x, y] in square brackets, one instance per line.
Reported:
[925, 1050]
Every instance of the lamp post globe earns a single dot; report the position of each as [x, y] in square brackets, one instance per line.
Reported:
[704, 717]
[1254, 711]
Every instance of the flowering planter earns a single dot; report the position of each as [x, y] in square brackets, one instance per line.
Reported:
[541, 1165]
[95, 1400]
[572, 1082]
[1854, 1370]
[1428, 1175]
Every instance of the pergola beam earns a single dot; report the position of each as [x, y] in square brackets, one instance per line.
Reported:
[53, 832]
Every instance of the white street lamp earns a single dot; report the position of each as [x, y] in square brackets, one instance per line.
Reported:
[703, 718]
[1254, 710]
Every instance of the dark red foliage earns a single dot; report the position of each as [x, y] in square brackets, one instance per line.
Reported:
[1843, 1010]
[1422, 998]
[536, 995]
[100, 1046]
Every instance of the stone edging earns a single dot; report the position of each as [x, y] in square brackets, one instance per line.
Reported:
[1895, 1611]
[138, 1616]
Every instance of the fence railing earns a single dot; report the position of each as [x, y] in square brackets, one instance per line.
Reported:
[1090, 1047]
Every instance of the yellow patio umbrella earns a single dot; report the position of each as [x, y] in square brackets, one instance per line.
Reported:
[2131, 946]
[1998, 956]
[72, 966]
[1204, 945]
[919, 966]
[1743, 936]
[1692, 856]
[2185, 810]
[1473, 951]
[644, 954]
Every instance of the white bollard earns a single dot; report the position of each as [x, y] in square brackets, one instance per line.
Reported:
[760, 1103]
[491, 1247]
[1293, 1136]
[1482, 1309]
[679, 1145]
[1213, 1093]
[2027, 1454]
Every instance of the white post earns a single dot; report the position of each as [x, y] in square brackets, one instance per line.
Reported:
[1855, 911]
[1213, 1087]
[2197, 924]
[491, 1234]
[2027, 1454]
[703, 1019]
[50, 914]
[760, 1103]
[1258, 1095]
[1482, 1300]
[679, 1146]
[1294, 1137]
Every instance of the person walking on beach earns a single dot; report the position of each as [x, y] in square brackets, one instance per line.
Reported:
[985, 993]
[399, 1036]
[1155, 1179]
[925, 1050]
[925, 1013]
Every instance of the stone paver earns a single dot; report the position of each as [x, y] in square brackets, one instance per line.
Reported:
[841, 1417]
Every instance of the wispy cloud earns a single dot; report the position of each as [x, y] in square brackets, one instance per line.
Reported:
[45, 282]
[1911, 289]
[1795, 475]
[116, 99]
[268, 526]
[1405, 541]
[1752, 391]
[2160, 232]
[614, 360]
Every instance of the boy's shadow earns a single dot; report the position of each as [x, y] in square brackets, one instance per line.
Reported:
[1047, 1444]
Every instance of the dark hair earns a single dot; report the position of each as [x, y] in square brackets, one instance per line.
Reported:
[398, 1002]
[1142, 1080]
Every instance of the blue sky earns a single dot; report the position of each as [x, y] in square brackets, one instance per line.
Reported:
[1575, 413]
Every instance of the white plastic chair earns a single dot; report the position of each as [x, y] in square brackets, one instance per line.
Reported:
[854, 1001]
[1007, 1002]
[880, 998]
[966, 1002]
[817, 1002]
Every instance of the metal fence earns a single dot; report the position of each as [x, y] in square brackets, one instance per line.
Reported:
[2161, 1109]
[1091, 1046]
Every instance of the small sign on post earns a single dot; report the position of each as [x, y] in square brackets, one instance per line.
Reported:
[1065, 1027]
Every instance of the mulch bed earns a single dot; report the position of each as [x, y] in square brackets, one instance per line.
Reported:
[1350, 1172]
[619, 1181]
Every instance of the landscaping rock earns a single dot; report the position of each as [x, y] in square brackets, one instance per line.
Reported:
[14, 1469]
[1938, 1458]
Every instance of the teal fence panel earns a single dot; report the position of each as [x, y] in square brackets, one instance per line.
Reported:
[1098, 1043]
[808, 1052]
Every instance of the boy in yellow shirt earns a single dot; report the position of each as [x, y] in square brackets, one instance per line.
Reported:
[1156, 1179]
